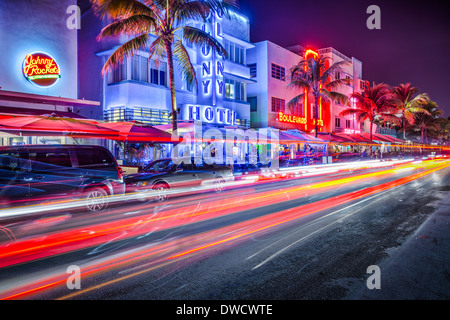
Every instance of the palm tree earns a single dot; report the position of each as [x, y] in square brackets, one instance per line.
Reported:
[166, 21]
[428, 121]
[314, 76]
[409, 103]
[375, 102]
[442, 130]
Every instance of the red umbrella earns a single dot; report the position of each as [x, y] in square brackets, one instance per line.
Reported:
[53, 124]
[139, 132]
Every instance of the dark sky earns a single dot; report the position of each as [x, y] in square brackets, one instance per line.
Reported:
[413, 44]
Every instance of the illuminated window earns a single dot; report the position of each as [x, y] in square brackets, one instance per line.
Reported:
[278, 72]
[234, 90]
[278, 105]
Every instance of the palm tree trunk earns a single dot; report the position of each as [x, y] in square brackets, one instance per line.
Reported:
[168, 46]
[371, 127]
[404, 128]
[316, 117]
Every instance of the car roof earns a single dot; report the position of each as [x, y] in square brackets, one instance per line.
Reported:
[35, 146]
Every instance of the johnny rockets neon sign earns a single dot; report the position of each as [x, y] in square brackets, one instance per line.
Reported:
[41, 69]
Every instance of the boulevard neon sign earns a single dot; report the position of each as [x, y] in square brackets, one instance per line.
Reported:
[289, 118]
[41, 69]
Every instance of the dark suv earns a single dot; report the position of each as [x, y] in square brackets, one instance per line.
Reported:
[41, 173]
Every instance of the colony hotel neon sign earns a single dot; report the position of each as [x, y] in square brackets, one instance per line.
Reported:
[41, 69]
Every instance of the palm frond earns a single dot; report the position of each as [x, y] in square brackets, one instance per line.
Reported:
[125, 50]
[157, 50]
[295, 101]
[116, 9]
[136, 24]
[184, 61]
[199, 37]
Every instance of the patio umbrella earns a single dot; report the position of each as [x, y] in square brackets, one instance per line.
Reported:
[51, 125]
[139, 132]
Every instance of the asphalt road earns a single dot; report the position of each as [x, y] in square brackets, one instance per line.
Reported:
[311, 244]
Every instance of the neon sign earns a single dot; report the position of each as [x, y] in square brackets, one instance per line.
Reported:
[208, 114]
[351, 131]
[288, 118]
[41, 69]
[213, 65]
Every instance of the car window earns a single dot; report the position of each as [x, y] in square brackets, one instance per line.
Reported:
[160, 166]
[93, 156]
[58, 157]
[13, 161]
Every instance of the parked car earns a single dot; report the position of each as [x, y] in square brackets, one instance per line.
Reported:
[163, 175]
[41, 173]
[246, 171]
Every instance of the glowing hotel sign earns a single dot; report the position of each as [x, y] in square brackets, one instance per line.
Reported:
[41, 69]
[208, 114]
[212, 88]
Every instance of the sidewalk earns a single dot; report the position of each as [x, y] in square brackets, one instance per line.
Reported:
[420, 268]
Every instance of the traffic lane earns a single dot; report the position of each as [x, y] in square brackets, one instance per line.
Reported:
[302, 261]
[198, 211]
[181, 243]
[38, 219]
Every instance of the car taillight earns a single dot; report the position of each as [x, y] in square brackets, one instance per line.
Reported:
[120, 173]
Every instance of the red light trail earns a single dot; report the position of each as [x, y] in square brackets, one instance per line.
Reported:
[172, 250]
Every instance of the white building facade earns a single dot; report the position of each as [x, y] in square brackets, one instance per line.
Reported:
[268, 97]
[139, 88]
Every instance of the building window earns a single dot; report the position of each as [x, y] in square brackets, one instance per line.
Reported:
[139, 68]
[253, 103]
[278, 72]
[337, 75]
[348, 123]
[235, 90]
[297, 110]
[278, 105]
[236, 53]
[158, 73]
[253, 72]
[337, 122]
[119, 73]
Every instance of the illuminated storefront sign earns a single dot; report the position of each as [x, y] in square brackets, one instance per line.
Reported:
[208, 114]
[289, 118]
[41, 69]
[351, 131]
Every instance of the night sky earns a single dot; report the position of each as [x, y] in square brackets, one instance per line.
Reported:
[413, 44]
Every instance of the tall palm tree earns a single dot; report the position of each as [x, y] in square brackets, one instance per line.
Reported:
[166, 21]
[375, 102]
[409, 103]
[313, 75]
